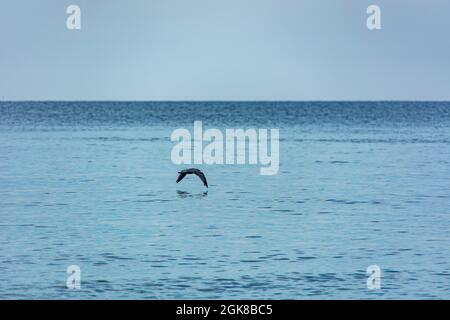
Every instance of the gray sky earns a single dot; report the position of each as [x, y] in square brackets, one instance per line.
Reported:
[225, 50]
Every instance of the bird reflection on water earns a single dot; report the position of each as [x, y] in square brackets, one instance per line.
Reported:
[184, 194]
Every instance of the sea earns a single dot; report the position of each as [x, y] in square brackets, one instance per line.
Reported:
[361, 186]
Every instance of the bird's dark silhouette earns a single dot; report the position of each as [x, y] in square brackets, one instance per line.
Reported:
[195, 171]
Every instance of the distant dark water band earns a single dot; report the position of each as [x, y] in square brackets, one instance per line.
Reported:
[224, 113]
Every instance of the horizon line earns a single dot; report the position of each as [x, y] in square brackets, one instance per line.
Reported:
[226, 100]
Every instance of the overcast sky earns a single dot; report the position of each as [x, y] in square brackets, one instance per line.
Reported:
[225, 50]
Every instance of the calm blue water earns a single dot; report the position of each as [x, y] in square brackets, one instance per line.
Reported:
[92, 184]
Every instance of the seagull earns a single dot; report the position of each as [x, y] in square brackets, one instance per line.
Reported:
[195, 171]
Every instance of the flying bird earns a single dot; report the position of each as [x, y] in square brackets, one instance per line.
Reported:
[195, 171]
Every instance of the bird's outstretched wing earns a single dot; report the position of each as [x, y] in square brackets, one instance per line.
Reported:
[181, 176]
[202, 177]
